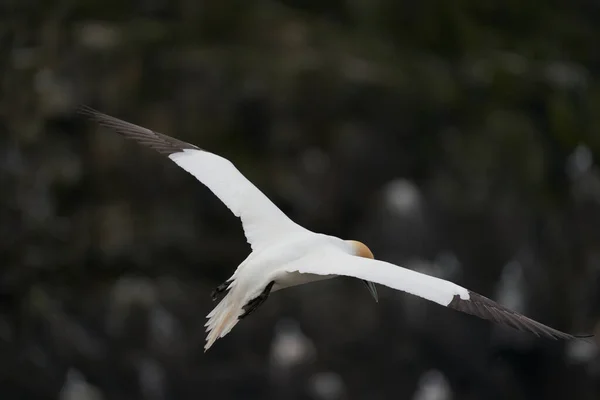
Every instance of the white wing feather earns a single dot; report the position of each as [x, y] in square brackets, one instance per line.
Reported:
[263, 221]
[445, 293]
[331, 262]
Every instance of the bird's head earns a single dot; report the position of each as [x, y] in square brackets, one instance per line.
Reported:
[360, 249]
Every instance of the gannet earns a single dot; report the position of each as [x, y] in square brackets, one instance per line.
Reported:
[285, 254]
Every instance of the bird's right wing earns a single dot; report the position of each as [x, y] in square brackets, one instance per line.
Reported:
[445, 293]
[262, 220]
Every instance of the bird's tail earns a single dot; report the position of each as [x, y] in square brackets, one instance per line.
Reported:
[222, 319]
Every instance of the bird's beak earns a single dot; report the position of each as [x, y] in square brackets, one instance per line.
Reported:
[372, 289]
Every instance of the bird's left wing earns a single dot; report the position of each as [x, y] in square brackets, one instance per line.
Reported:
[262, 221]
[445, 293]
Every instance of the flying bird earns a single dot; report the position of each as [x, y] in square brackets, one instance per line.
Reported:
[285, 254]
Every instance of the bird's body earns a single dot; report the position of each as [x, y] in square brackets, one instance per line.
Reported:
[285, 254]
[258, 270]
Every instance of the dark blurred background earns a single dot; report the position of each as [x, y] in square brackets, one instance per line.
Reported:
[457, 138]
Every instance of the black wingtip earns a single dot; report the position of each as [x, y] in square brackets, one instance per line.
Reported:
[485, 308]
[90, 113]
[86, 110]
[160, 142]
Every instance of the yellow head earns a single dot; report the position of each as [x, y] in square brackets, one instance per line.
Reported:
[360, 249]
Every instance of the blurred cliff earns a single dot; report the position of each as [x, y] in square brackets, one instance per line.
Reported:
[456, 138]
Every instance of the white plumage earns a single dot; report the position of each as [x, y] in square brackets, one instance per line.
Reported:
[262, 221]
[285, 254]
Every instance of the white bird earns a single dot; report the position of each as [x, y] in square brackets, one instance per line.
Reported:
[285, 254]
